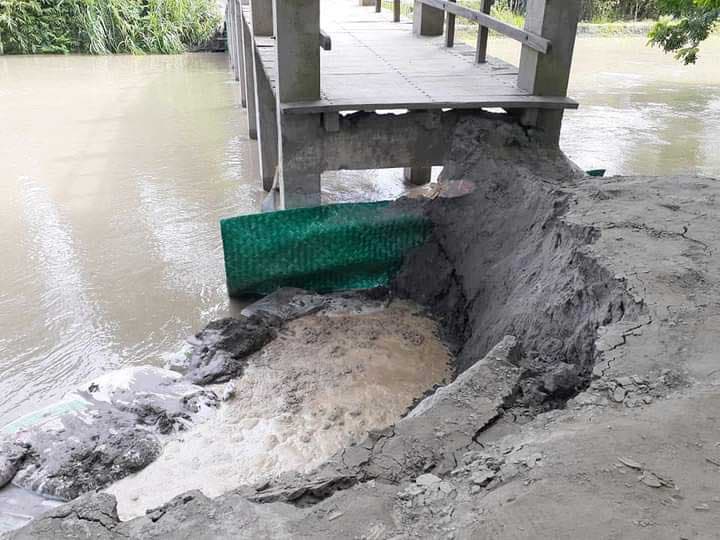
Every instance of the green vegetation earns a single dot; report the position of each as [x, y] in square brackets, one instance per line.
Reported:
[691, 22]
[105, 26]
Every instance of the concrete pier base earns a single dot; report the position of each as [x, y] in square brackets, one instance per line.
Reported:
[300, 163]
[417, 176]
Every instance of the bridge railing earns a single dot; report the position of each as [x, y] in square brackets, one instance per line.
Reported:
[431, 22]
[547, 40]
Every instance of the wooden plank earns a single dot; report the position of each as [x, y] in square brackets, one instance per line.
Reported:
[528, 39]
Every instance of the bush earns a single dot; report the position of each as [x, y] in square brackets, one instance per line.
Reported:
[690, 22]
[600, 10]
[105, 26]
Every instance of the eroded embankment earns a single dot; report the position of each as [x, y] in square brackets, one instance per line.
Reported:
[503, 261]
[515, 285]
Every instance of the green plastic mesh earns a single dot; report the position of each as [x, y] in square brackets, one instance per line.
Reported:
[324, 248]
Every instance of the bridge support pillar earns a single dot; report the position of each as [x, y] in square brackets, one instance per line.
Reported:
[427, 20]
[235, 22]
[548, 74]
[417, 176]
[297, 31]
[267, 125]
[300, 160]
[249, 75]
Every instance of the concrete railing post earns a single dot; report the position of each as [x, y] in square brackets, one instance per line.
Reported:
[548, 74]
[297, 31]
[427, 20]
[262, 17]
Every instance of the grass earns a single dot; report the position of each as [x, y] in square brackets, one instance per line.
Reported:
[105, 26]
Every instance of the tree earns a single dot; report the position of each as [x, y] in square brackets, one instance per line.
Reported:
[692, 22]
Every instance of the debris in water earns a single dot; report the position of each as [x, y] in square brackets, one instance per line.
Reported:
[482, 478]
[630, 463]
[649, 479]
[427, 479]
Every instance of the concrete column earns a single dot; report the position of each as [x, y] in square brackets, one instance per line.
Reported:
[249, 65]
[229, 35]
[267, 125]
[237, 46]
[300, 160]
[417, 176]
[427, 21]
[262, 17]
[548, 74]
[297, 33]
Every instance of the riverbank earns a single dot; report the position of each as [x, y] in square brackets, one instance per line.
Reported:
[597, 417]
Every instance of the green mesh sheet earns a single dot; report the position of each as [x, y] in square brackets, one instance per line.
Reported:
[324, 248]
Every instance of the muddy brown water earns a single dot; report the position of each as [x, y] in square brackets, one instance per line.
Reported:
[326, 381]
[114, 172]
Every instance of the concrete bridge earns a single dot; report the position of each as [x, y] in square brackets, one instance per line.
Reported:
[332, 84]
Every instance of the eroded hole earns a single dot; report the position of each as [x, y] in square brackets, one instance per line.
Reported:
[326, 381]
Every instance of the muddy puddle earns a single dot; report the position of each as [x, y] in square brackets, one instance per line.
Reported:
[327, 380]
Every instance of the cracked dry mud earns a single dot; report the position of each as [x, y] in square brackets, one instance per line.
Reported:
[588, 403]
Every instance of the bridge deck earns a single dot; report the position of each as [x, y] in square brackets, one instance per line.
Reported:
[378, 64]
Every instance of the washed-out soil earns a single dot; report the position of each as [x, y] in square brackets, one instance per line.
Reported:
[581, 314]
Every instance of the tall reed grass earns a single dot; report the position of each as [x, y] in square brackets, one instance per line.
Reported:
[105, 26]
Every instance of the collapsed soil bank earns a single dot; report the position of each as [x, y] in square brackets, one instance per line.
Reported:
[507, 259]
[502, 261]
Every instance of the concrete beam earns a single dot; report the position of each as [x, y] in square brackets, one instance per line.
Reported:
[427, 21]
[374, 141]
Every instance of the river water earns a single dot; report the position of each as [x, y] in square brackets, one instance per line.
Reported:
[114, 172]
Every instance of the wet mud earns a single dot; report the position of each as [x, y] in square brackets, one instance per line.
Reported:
[325, 381]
